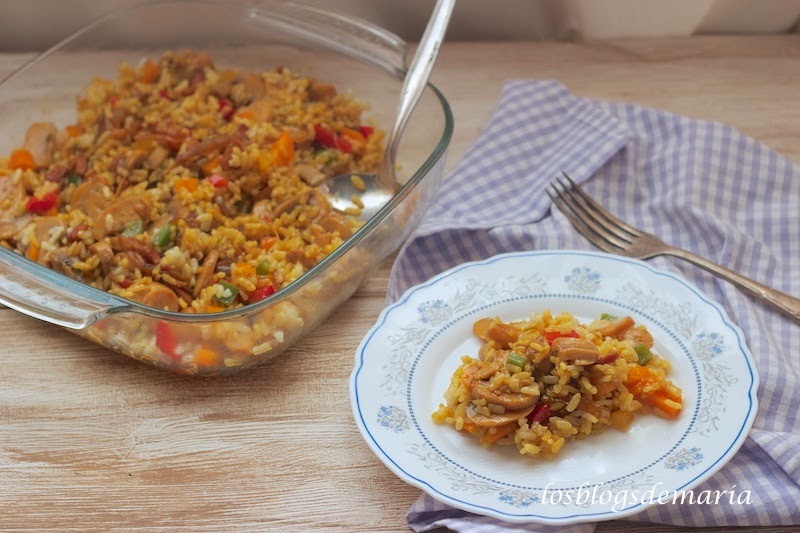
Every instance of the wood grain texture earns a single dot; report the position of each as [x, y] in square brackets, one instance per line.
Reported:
[92, 440]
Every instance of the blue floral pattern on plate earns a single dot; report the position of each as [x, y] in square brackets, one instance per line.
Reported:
[433, 312]
[518, 498]
[583, 280]
[393, 417]
[708, 345]
[685, 458]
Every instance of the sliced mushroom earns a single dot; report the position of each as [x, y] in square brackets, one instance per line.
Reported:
[62, 262]
[137, 262]
[205, 148]
[289, 205]
[156, 157]
[334, 221]
[206, 277]
[316, 198]
[12, 199]
[56, 174]
[116, 217]
[239, 140]
[175, 283]
[503, 334]
[158, 296]
[489, 371]
[135, 159]
[105, 253]
[637, 335]
[575, 351]
[145, 250]
[310, 174]
[509, 400]
[495, 420]
[44, 228]
[617, 326]
[198, 76]
[491, 365]
[90, 197]
[40, 142]
[469, 375]
[172, 139]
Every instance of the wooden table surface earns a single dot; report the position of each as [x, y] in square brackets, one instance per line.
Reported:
[92, 440]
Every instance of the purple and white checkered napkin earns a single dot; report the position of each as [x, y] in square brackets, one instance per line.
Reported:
[699, 185]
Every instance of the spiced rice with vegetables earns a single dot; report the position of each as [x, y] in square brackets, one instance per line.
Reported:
[185, 186]
[542, 382]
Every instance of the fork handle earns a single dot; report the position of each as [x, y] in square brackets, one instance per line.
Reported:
[782, 301]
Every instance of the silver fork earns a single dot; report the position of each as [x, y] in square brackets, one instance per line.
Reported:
[614, 236]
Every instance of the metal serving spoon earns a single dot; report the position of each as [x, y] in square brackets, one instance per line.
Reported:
[378, 189]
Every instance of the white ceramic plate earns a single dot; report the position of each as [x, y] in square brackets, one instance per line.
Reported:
[403, 366]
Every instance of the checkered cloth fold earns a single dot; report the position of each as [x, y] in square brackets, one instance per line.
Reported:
[699, 185]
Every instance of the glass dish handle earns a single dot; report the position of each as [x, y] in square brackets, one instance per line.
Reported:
[38, 292]
[348, 34]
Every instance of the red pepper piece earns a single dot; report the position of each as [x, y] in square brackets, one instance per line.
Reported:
[366, 131]
[41, 205]
[550, 336]
[324, 136]
[263, 292]
[541, 413]
[113, 101]
[165, 341]
[344, 145]
[226, 108]
[218, 180]
[163, 93]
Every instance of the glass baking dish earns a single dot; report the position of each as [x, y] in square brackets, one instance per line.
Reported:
[257, 35]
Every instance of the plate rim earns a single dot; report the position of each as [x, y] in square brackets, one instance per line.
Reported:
[437, 495]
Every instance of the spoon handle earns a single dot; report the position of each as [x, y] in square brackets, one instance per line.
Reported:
[418, 73]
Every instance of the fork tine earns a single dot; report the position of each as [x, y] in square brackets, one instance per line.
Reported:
[579, 225]
[611, 218]
[608, 229]
[588, 222]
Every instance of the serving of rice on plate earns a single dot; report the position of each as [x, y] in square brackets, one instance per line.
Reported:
[541, 382]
